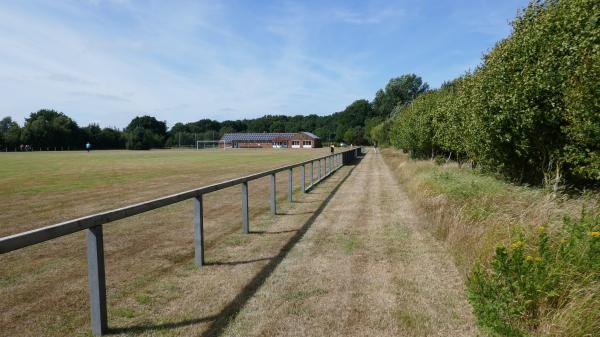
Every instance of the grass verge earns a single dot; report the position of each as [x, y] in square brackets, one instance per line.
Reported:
[531, 259]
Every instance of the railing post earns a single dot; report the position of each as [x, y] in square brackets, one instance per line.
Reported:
[273, 194]
[319, 169]
[290, 186]
[198, 231]
[303, 175]
[245, 224]
[96, 280]
[312, 169]
[333, 162]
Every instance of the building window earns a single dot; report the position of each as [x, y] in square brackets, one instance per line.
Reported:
[295, 142]
[307, 143]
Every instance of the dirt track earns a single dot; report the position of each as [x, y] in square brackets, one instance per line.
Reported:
[363, 268]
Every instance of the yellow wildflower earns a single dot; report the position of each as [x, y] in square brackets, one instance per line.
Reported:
[541, 229]
[529, 258]
[517, 245]
[595, 234]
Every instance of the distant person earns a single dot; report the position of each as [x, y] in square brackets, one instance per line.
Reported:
[22, 147]
[332, 148]
[88, 146]
[375, 147]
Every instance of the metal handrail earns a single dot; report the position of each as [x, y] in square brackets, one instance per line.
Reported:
[38, 235]
[93, 223]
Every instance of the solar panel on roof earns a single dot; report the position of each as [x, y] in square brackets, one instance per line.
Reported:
[311, 135]
[253, 137]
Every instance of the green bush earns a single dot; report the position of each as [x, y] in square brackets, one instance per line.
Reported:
[439, 160]
[412, 130]
[536, 279]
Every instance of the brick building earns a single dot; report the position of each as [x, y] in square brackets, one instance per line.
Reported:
[270, 140]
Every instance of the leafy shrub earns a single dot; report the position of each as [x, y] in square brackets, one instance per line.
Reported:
[536, 279]
[439, 160]
[412, 130]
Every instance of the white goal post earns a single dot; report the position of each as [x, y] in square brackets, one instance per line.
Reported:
[208, 144]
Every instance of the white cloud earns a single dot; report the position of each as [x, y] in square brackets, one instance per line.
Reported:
[107, 61]
[159, 59]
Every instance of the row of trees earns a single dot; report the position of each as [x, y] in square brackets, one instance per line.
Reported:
[352, 125]
[49, 129]
[530, 112]
[52, 129]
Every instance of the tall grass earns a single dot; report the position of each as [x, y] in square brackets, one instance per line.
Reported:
[530, 258]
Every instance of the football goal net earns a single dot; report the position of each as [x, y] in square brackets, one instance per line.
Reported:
[207, 144]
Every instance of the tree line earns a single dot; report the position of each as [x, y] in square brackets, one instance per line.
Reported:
[530, 112]
[49, 129]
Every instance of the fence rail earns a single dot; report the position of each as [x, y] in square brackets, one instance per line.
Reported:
[93, 223]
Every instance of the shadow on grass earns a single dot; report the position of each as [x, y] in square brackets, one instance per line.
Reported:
[158, 327]
[235, 263]
[293, 213]
[229, 312]
[305, 201]
[274, 232]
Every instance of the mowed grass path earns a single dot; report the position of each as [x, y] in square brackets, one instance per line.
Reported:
[44, 287]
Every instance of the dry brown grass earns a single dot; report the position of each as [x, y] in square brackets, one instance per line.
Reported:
[365, 268]
[356, 262]
[473, 213]
[41, 188]
[44, 287]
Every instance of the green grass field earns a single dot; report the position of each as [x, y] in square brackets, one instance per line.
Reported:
[44, 287]
[44, 187]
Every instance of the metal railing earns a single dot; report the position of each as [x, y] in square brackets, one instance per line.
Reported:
[93, 223]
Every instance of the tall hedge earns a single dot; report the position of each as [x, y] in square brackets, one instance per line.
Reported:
[531, 111]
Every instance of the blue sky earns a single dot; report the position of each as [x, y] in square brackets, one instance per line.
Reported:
[108, 61]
